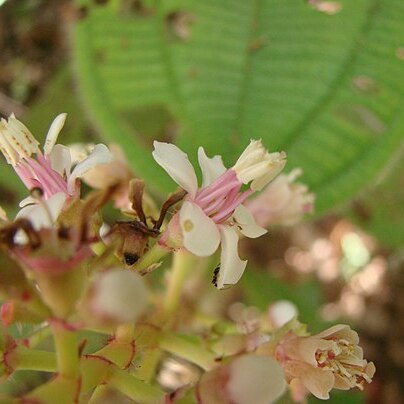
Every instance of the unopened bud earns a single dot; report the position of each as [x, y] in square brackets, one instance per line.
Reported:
[120, 296]
[248, 379]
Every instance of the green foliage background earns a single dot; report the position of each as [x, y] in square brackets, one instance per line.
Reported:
[328, 89]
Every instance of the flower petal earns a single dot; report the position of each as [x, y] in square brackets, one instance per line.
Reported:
[231, 266]
[247, 223]
[212, 168]
[3, 215]
[100, 155]
[53, 132]
[200, 233]
[177, 165]
[40, 216]
[29, 200]
[319, 382]
[340, 331]
[60, 160]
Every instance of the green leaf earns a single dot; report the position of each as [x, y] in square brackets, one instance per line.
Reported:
[380, 210]
[326, 89]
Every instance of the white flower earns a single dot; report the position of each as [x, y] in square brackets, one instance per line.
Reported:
[213, 215]
[50, 170]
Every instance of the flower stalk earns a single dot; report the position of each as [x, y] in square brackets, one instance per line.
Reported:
[67, 350]
[183, 264]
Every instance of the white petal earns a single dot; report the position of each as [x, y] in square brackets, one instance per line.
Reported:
[212, 168]
[29, 200]
[53, 132]
[39, 215]
[177, 165]
[247, 223]
[200, 233]
[100, 155]
[60, 160]
[3, 214]
[231, 266]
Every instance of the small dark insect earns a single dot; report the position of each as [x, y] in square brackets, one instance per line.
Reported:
[215, 274]
[131, 237]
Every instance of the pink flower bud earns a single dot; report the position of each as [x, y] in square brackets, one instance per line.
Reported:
[247, 379]
[282, 202]
[118, 296]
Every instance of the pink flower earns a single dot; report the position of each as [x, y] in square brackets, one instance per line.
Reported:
[282, 202]
[330, 359]
[213, 214]
[51, 170]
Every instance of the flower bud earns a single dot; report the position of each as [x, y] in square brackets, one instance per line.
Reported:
[118, 296]
[247, 379]
[281, 312]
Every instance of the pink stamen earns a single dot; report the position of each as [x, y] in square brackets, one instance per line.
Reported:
[214, 206]
[220, 193]
[25, 175]
[224, 214]
[224, 203]
[42, 175]
[226, 177]
[49, 174]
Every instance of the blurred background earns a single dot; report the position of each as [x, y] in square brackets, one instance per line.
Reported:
[321, 80]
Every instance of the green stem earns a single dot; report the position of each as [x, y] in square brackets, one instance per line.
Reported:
[152, 257]
[125, 333]
[67, 353]
[134, 388]
[188, 350]
[183, 263]
[29, 359]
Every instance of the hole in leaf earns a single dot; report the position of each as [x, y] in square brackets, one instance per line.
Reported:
[179, 24]
[135, 8]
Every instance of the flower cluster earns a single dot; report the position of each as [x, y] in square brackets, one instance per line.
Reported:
[66, 272]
